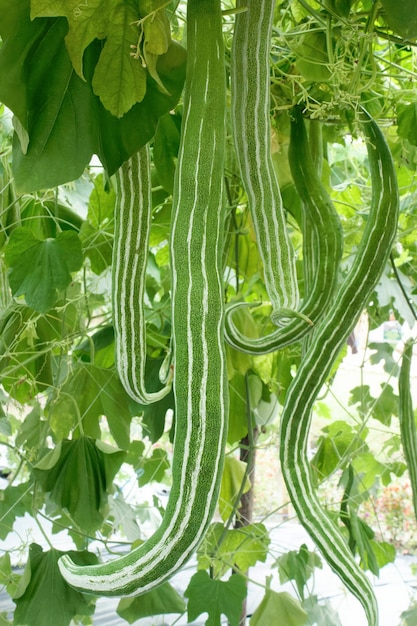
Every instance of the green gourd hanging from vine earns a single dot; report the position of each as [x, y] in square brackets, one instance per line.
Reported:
[200, 381]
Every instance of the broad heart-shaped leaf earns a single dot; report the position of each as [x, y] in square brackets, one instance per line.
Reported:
[239, 548]
[77, 479]
[15, 501]
[279, 608]
[160, 601]
[47, 598]
[39, 269]
[215, 597]
[58, 112]
[91, 392]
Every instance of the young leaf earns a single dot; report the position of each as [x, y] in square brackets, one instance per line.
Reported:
[160, 601]
[298, 566]
[215, 597]
[47, 598]
[39, 269]
[279, 608]
[241, 548]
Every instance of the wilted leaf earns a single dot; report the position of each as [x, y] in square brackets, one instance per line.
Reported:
[215, 597]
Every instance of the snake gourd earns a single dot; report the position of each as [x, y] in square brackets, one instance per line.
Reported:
[250, 106]
[329, 337]
[132, 222]
[322, 231]
[408, 429]
[200, 380]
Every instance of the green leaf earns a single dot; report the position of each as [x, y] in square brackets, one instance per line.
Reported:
[39, 269]
[401, 17]
[8, 578]
[78, 480]
[119, 78]
[337, 439]
[410, 616]
[48, 599]
[15, 501]
[165, 149]
[238, 421]
[160, 601]
[232, 478]
[384, 352]
[239, 548]
[65, 121]
[152, 468]
[215, 597]
[407, 122]
[321, 613]
[312, 57]
[298, 566]
[97, 232]
[279, 608]
[88, 394]
[153, 415]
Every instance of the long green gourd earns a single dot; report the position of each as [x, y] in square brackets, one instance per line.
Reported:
[322, 230]
[132, 222]
[250, 87]
[329, 338]
[407, 422]
[200, 379]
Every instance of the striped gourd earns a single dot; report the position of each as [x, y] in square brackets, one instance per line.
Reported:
[407, 422]
[200, 381]
[329, 337]
[132, 221]
[323, 248]
[250, 112]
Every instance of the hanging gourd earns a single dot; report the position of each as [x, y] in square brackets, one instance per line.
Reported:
[200, 380]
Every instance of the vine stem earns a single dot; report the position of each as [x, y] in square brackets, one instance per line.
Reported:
[401, 286]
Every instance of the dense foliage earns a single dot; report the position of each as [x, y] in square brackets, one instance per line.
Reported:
[104, 78]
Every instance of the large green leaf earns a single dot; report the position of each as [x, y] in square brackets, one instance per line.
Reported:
[215, 597]
[159, 601]
[62, 123]
[77, 479]
[47, 598]
[88, 394]
[401, 17]
[40, 269]
[279, 608]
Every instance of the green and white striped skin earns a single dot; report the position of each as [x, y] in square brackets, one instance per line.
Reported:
[132, 222]
[323, 248]
[250, 113]
[200, 380]
[329, 338]
[407, 422]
